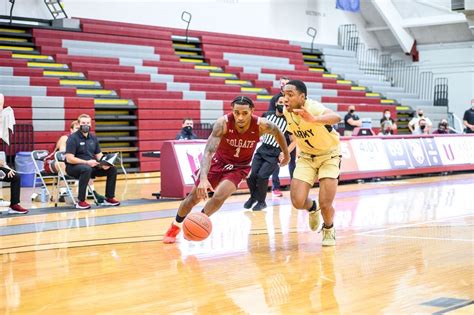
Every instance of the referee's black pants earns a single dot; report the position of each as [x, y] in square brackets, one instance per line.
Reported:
[264, 163]
[276, 172]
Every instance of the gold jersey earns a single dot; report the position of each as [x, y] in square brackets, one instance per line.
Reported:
[312, 138]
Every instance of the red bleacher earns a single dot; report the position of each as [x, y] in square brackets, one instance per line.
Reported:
[73, 107]
[162, 109]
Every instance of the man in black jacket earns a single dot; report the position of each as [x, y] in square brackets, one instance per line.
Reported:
[186, 132]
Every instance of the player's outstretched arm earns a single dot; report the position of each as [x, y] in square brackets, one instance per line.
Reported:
[218, 131]
[271, 128]
[328, 117]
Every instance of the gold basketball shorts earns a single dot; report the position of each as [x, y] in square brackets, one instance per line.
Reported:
[310, 167]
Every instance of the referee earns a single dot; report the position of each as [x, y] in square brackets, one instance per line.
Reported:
[265, 161]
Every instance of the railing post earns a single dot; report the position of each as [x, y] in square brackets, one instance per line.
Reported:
[188, 21]
[311, 31]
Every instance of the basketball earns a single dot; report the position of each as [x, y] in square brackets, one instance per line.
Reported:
[197, 227]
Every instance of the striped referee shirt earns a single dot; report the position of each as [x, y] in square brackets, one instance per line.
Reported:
[280, 121]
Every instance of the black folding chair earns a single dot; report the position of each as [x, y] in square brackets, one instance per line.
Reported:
[60, 156]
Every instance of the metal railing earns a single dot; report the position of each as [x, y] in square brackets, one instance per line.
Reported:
[441, 92]
[188, 19]
[397, 72]
[455, 122]
[21, 139]
[312, 32]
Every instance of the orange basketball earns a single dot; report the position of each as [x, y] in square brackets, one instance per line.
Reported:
[197, 227]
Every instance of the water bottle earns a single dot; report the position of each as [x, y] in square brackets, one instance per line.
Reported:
[44, 196]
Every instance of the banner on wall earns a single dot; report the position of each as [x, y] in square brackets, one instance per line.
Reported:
[360, 158]
[370, 154]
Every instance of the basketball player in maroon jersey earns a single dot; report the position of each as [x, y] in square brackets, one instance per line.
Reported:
[226, 159]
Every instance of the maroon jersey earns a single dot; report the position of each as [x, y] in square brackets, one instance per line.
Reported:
[237, 148]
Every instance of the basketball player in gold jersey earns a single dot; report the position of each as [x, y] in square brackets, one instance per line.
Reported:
[311, 126]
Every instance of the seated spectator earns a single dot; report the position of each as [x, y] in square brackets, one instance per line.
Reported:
[414, 124]
[9, 175]
[421, 127]
[351, 121]
[443, 128]
[186, 132]
[468, 119]
[387, 125]
[82, 162]
[50, 165]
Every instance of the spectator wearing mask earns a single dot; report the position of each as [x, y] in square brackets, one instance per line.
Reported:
[274, 99]
[387, 125]
[415, 126]
[443, 128]
[422, 127]
[468, 119]
[52, 167]
[351, 121]
[186, 132]
[83, 154]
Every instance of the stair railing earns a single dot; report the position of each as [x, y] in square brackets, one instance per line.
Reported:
[186, 17]
[311, 31]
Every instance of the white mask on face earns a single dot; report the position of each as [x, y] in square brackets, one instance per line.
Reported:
[387, 115]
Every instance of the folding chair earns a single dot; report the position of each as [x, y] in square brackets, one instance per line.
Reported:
[60, 156]
[38, 157]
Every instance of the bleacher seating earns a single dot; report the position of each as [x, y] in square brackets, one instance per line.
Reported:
[141, 82]
[50, 116]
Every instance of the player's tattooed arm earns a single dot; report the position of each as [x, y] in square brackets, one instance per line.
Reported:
[218, 131]
[267, 126]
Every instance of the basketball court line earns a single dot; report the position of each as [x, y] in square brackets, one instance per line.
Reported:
[110, 241]
[420, 237]
[412, 224]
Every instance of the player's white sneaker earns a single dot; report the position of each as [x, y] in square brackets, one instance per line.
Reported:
[329, 236]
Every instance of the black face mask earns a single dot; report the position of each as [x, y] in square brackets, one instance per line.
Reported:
[84, 128]
[279, 108]
[423, 127]
[188, 129]
[352, 111]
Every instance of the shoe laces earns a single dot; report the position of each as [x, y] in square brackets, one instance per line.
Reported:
[327, 233]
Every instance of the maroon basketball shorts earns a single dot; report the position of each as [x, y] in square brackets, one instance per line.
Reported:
[220, 171]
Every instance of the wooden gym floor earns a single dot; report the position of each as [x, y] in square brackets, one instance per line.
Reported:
[403, 247]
